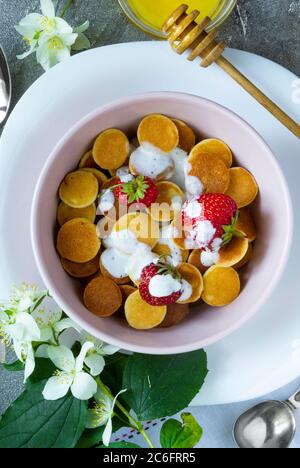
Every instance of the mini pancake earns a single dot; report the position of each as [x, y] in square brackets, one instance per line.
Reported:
[66, 213]
[234, 252]
[246, 224]
[100, 176]
[176, 313]
[246, 259]
[85, 281]
[187, 138]
[217, 148]
[106, 273]
[126, 290]
[111, 149]
[195, 259]
[210, 170]
[79, 189]
[87, 160]
[142, 225]
[168, 195]
[160, 131]
[164, 249]
[193, 276]
[141, 315]
[102, 297]
[81, 270]
[221, 286]
[242, 187]
[77, 241]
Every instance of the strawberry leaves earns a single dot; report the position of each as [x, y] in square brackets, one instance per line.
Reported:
[230, 230]
[135, 189]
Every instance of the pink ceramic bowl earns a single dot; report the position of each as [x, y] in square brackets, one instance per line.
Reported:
[273, 215]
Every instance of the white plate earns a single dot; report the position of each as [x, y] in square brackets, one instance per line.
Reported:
[263, 355]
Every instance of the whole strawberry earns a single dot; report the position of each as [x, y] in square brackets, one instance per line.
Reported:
[222, 211]
[139, 191]
[164, 273]
[218, 209]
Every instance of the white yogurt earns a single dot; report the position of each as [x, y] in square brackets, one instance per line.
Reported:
[163, 285]
[166, 238]
[176, 203]
[124, 174]
[205, 232]
[179, 158]
[106, 203]
[193, 184]
[151, 162]
[193, 209]
[124, 240]
[209, 258]
[142, 257]
[115, 262]
[186, 289]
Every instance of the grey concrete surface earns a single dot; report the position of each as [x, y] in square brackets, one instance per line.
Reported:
[266, 27]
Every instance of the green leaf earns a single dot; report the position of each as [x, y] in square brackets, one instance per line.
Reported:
[159, 386]
[81, 43]
[90, 437]
[14, 366]
[119, 445]
[44, 369]
[187, 434]
[32, 422]
[112, 374]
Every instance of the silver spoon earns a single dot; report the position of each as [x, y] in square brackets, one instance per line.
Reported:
[5, 86]
[270, 424]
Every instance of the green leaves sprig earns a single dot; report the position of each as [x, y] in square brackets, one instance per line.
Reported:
[157, 386]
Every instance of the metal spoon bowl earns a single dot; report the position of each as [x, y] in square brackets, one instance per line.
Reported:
[5, 86]
[270, 424]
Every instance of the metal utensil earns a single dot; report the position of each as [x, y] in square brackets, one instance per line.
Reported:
[5, 86]
[270, 424]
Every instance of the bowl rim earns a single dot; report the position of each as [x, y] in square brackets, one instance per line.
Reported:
[218, 335]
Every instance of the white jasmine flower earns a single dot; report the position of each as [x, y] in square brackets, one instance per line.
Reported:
[54, 49]
[102, 413]
[94, 358]
[24, 298]
[22, 332]
[51, 324]
[70, 375]
[50, 36]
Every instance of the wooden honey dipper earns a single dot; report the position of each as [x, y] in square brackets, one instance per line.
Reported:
[184, 33]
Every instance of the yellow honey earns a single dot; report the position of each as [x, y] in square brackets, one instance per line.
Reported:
[155, 12]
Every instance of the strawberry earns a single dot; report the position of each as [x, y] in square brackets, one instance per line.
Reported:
[217, 208]
[139, 191]
[153, 269]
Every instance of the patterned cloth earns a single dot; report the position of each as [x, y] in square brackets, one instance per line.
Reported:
[217, 422]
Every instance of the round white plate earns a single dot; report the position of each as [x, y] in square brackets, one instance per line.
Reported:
[263, 355]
